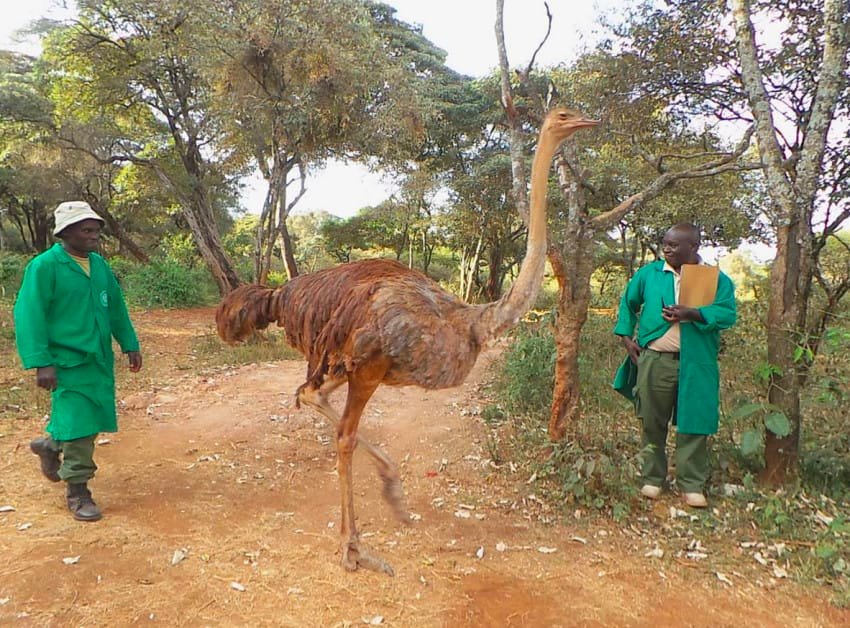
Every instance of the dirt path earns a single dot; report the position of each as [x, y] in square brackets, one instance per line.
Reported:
[222, 470]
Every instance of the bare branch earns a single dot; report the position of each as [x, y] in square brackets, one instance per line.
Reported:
[519, 180]
[727, 162]
[542, 42]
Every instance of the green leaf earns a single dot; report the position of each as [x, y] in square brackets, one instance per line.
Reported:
[778, 423]
[825, 551]
[750, 442]
[743, 412]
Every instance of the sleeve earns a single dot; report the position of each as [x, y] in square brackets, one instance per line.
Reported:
[630, 305]
[723, 313]
[119, 317]
[30, 314]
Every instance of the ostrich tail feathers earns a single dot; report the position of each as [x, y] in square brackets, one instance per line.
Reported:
[243, 312]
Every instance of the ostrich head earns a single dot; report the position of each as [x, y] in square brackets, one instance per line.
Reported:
[562, 122]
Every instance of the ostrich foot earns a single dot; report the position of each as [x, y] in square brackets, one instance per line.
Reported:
[355, 555]
[394, 496]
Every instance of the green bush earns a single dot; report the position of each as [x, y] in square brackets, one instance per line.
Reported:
[11, 272]
[164, 283]
[528, 374]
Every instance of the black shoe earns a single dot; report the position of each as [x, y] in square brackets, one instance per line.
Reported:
[49, 458]
[81, 504]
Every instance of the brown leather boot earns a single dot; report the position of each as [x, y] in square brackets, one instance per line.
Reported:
[49, 458]
[81, 504]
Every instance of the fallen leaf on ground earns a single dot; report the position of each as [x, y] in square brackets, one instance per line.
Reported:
[71, 560]
[723, 578]
[178, 555]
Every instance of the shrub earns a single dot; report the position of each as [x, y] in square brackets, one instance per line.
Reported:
[165, 283]
[528, 374]
[11, 272]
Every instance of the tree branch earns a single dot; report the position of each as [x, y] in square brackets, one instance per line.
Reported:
[542, 42]
[728, 162]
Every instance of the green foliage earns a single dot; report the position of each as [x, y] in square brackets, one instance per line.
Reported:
[527, 377]
[597, 466]
[596, 469]
[11, 272]
[164, 283]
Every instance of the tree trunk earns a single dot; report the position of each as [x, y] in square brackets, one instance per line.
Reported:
[573, 304]
[573, 264]
[790, 280]
[118, 231]
[199, 216]
[205, 231]
[286, 251]
[469, 261]
[493, 287]
[793, 188]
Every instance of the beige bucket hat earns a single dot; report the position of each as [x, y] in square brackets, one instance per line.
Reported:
[72, 212]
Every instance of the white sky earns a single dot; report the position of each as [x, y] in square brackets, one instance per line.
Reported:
[463, 28]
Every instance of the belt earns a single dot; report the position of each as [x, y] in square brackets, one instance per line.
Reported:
[671, 355]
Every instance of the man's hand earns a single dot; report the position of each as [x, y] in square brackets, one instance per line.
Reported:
[632, 348]
[679, 313]
[45, 377]
[135, 361]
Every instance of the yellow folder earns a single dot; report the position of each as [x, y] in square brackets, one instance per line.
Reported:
[699, 285]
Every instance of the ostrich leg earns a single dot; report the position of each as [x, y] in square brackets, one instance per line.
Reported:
[361, 385]
[317, 399]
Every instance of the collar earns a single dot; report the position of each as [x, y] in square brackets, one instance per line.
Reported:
[64, 256]
[666, 268]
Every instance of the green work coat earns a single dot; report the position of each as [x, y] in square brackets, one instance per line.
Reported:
[67, 319]
[699, 378]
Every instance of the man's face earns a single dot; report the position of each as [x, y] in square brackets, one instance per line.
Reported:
[82, 237]
[678, 247]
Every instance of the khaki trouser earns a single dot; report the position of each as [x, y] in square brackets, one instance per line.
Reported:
[656, 394]
[77, 458]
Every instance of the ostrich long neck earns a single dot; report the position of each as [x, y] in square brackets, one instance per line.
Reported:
[503, 314]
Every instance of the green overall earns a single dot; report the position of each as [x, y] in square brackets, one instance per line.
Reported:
[67, 319]
[685, 387]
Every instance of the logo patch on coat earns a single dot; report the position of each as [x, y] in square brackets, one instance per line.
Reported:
[104, 300]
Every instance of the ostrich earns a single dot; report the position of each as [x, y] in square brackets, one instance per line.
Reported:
[376, 321]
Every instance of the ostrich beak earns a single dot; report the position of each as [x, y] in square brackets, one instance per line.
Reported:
[585, 123]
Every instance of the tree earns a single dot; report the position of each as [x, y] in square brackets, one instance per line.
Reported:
[68, 153]
[667, 152]
[318, 79]
[484, 222]
[146, 69]
[296, 80]
[790, 82]
[794, 103]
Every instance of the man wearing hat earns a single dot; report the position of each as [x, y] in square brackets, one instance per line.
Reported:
[68, 309]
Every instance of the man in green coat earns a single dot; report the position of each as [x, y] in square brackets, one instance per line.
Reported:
[675, 355]
[68, 309]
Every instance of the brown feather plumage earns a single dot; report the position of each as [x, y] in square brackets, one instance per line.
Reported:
[378, 322]
[340, 317]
